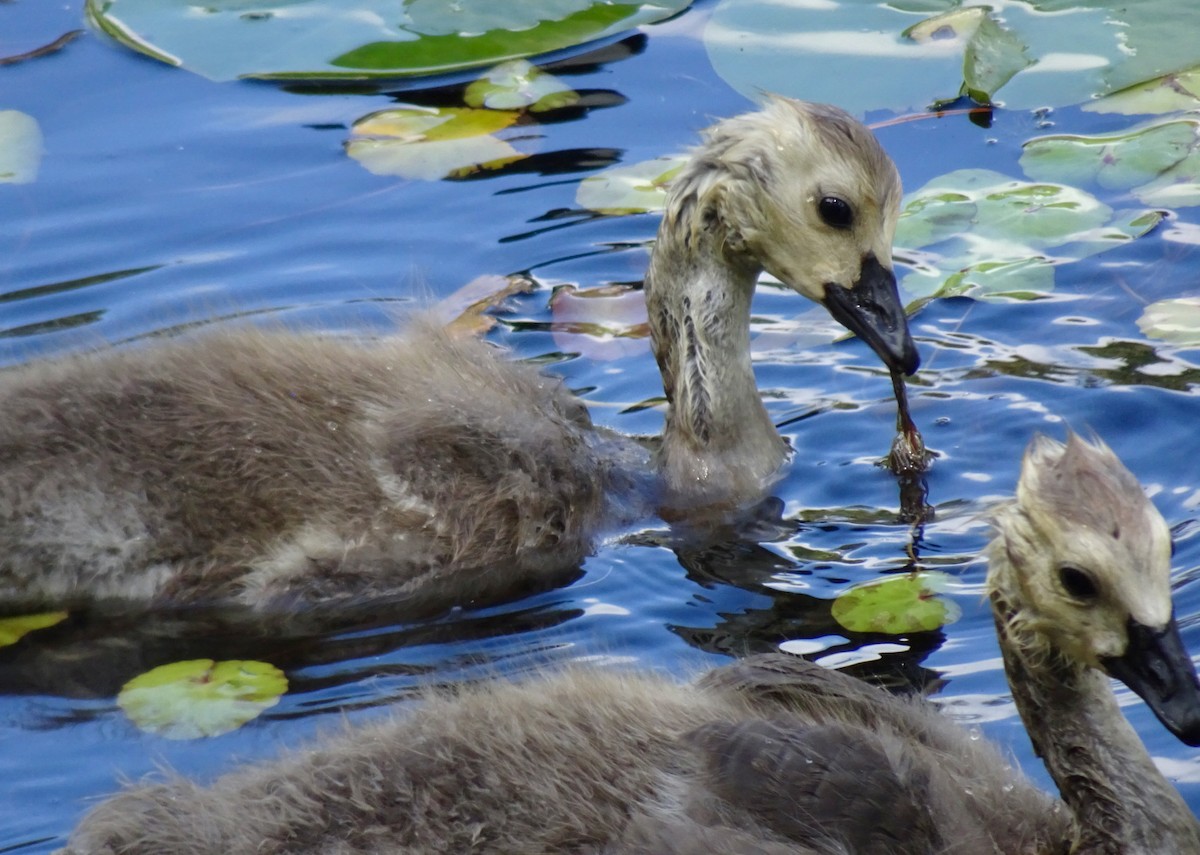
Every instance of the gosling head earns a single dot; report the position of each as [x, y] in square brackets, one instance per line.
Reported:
[806, 192]
[1085, 560]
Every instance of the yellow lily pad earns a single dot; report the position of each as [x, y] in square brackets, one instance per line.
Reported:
[429, 144]
[14, 628]
[200, 697]
[897, 605]
[1167, 94]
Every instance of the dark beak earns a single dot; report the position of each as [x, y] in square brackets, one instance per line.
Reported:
[1158, 668]
[872, 311]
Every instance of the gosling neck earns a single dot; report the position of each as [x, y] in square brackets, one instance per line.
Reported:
[1120, 802]
[719, 445]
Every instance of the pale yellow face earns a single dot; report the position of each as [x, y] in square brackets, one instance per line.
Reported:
[825, 198]
[1086, 550]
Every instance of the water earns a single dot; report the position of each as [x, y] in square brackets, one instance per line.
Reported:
[165, 200]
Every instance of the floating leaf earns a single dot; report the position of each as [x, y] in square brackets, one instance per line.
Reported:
[994, 234]
[428, 144]
[993, 55]
[1176, 321]
[1170, 93]
[897, 605]
[1159, 162]
[12, 629]
[635, 189]
[321, 39]
[901, 62]
[519, 85]
[20, 147]
[200, 697]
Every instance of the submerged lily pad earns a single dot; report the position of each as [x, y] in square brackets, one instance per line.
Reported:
[429, 144]
[1159, 162]
[20, 147]
[897, 605]
[200, 697]
[987, 234]
[13, 629]
[519, 85]
[1176, 321]
[319, 39]
[635, 189]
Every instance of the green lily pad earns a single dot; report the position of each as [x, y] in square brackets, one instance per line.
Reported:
[1176, 321]
[428, 144]
[13, 629]
[20, 147]
[990, 235]
[1159, 162]
[1081, 49]
[519, 85]
[1167, 94]
[897, 605]
[200, 697]
[992, 54]
[322, 39]
[635, 189]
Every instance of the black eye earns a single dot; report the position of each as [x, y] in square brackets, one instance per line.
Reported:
[1077, 583]
[835, 212]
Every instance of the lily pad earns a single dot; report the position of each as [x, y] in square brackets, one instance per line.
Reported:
[897, 605]
[992, 54]
[1167, 94]
[1159, 162]
[1081, 49]
[1176, 321]
[20, 147]
[200, 697]
[986, 234]
[323, 39]
[519, 85]
[13, 629]
[429, 144]
[635, 189]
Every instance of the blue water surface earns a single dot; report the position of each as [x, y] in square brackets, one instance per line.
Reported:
[165, 200]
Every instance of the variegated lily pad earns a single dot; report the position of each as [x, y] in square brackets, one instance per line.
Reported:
[200, 697]
[359, 39]
[897, 605]
[429, 144]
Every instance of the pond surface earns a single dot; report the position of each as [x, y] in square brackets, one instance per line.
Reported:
[164, 200]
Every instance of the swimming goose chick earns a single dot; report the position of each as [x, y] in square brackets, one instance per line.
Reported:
[771, 755]
[268, 468]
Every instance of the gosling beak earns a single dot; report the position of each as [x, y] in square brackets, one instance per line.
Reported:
[1158, 668]
[871, 309]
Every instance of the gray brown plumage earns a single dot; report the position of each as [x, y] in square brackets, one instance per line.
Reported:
[272, 468]
[772, 755]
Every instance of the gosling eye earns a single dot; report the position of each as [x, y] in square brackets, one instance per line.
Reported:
[835, 212]
[1078, 583]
